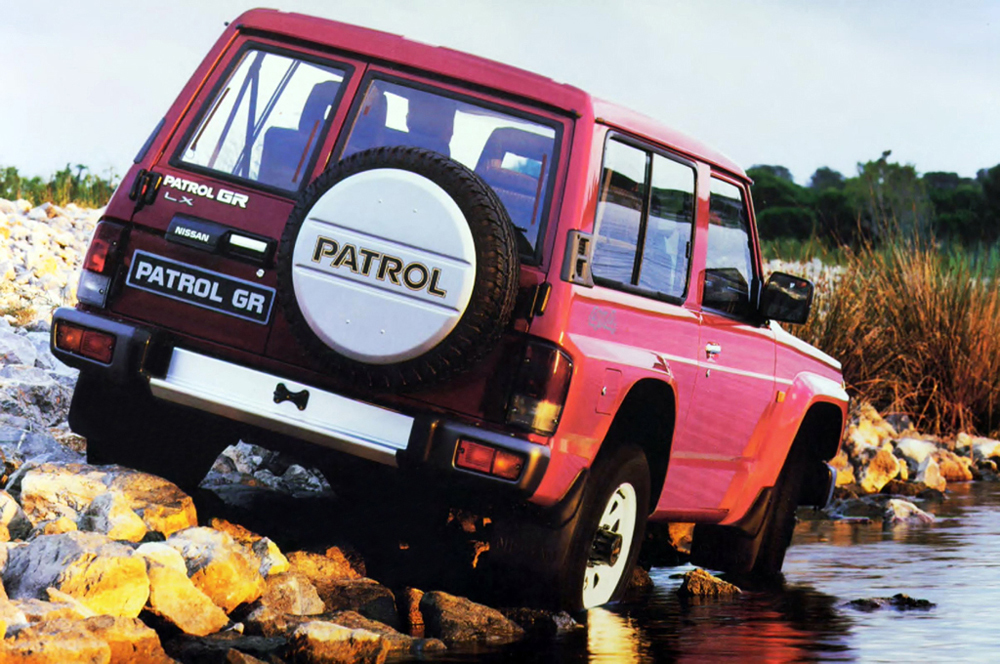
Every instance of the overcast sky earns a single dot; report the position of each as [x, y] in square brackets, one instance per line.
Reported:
[801, 84]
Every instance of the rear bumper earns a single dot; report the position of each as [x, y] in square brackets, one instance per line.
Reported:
[425, 443]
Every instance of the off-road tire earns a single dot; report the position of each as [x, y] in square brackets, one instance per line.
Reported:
[489, 311]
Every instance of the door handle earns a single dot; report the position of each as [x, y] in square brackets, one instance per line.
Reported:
[712, 349]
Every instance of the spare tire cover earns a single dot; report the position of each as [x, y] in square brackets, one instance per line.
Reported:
[398, 265]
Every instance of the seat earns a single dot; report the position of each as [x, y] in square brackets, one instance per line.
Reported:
[517, 190]
[284, 156]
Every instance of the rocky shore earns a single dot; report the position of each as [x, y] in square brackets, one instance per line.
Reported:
[107, 564]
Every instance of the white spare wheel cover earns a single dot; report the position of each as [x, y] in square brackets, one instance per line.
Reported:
[383, 266]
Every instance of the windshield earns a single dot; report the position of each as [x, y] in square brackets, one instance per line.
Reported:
[511, 154]
[264, 124]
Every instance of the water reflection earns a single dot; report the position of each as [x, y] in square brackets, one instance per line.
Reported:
[614, 638]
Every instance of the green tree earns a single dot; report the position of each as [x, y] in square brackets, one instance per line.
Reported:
[777, 171]
[890, 198]
[826, 178]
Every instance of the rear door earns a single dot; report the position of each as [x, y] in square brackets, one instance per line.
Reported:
[201, 256]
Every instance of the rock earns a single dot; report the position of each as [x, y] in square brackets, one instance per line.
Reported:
[898, 601]
[908, 489]
[16, 349]
[639, 583]
[223, 645]
[161, 504]
[900, 422]
[266, 552]
[56, 642]
[953, 468]
[399, 644]
[174, 598]
[877, 470]
[320, 569]
[10, 616]
[699, 583]
[408, 606]
[51, 490]
[110, 514]
[457, 619]
[845, 471]
[929, 474]
[37, 610]
[538, 623]
[366, 596]
[32, 394]
[326, 643]
[130, 640]
[103, 574]
[984, 449]
[219, 566]
[14, 524]
[902, 511]
[915, 449]
[54, 527]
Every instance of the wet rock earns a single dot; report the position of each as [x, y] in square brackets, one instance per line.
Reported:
[324, 642]
[639, 583]
[930, 475]
[14, 524]
[408, 605]
[457, 619]
[366, 596]
[219, 566]
[699, 583]
[901, 511]
[909, 489]
[899, 601]
[110, 514]
[268, 555]
[102, 574]
[173, 597]
[877, 470]
[399, 644]
[538, 623]
[223, 646]
[845, 471]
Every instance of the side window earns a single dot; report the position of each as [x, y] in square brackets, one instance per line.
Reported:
[666, 250]
[619, 212]
[728, 264]
[266, 121]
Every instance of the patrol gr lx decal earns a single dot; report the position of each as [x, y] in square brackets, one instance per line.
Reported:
[370, 263]
[203, 190]
[202, 288]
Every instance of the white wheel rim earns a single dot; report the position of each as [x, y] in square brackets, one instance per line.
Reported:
[599, 579]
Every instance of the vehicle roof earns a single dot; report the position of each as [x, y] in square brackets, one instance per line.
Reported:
[481, 71]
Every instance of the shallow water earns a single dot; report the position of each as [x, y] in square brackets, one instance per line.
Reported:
[954, 562]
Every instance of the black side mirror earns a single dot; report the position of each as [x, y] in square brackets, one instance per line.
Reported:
[786, 299]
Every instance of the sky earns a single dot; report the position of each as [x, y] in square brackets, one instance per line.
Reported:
[802, 84]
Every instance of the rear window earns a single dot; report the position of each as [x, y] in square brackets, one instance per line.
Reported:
[265, 122]
[512, 154]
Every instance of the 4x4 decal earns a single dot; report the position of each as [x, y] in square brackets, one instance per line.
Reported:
[205, 191]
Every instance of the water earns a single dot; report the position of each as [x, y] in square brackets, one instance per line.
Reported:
[954, 562]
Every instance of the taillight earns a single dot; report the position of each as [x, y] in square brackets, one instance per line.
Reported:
[83, 341]
[490, 460]
[541, 383]
[99, 264]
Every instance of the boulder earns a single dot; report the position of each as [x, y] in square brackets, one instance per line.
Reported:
[399, 644]
[457, 619]
[16, 349]
[318, 642]
[102, 574]
[929, 474]
[110, 514]
[161, 504]
[291, 593]
[329, 567]
[219, 566]
[538, 623]
[845, 471]
[699, 583]
[14, 523]
[264, 551]
[899, 601]
[902, 511]
[130, 640]
[915, 449]
[56, 642]
[953, 467]
[10, 616]
[174, 598]
[877, 470]
[408, 608]
[33, 394]
[366, 596]
[63, 524]
[53, 490]
[37, 610]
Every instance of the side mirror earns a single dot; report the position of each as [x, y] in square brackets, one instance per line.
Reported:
[786, 299]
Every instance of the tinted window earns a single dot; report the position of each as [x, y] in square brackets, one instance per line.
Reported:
[619, 212]
[266, 121]
[666, 249]
[513, 155]
[728, 263]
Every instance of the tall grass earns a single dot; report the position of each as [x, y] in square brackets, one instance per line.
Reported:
[917, 331]
[802, 251]
[69, 185]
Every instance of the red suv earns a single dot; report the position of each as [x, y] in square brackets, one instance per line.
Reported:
[394, 255]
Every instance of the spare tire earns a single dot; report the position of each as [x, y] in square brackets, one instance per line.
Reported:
[398, 267]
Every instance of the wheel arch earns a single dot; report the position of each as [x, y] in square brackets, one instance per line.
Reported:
[647, 418]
